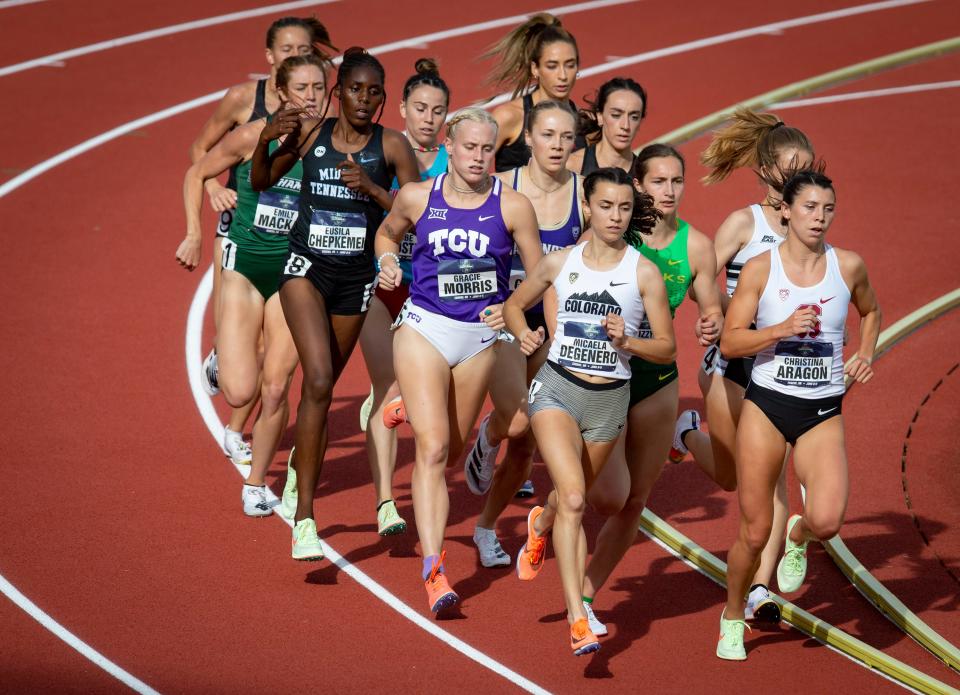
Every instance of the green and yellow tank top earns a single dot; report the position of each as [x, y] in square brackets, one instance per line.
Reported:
[674, 264]
[268, 216]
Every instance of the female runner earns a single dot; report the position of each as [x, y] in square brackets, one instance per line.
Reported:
[555, 193]
[467, 224]
[423, 108]
[685, 258]
[578, 400]
[611, 125]
[328, 281]
[798, 295]
[253, 259]
[539, 52]
[761, 142]
[244, 103]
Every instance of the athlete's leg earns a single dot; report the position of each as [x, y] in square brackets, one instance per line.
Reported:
[441, 405]
[324, 344]
[279, 363]
[376, 342]
[241, 319]
[820, 461]
[771, 551]
[714, 453]
[649, 434]
[759, 453]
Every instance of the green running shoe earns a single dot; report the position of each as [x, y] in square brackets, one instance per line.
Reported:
[365, 411]
[288, 500]
[306, 544]
[389, 522]
[792, 567]
[730, 644]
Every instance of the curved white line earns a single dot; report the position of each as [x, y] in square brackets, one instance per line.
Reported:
[35, 612]
[14, 3]
[55, 58]
[867, 94]
[194, 360]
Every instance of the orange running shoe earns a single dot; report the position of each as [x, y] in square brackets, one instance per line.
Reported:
[439, 593]
[394, 413]
[582, 641]
[530, 557]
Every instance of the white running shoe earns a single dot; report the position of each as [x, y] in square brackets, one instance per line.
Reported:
[235, 448]
[688, 420]
[479, 463]
[288, 499]
[255, 500]
[596, 627]
[209, 374]
[761, 607]
[365, 411]
[492, 553]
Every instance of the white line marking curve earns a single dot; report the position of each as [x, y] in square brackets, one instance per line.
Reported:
[867, 94]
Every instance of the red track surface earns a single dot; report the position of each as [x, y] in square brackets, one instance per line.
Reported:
[133, 538]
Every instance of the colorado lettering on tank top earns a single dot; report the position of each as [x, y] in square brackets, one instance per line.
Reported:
[336, 222]
[763, 239]
[273, 211]
[585, 297]
[808, 365]
[552, 238]
[461, 259]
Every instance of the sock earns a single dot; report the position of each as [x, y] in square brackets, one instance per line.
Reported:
[261, 487]
[758, 586]
[588, 601]
[428, 565]
[383, 503]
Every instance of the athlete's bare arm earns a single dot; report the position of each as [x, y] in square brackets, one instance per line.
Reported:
[662, 347]
[298, 133]
[732, 235]
[703, 267]
[236, 147]
[407, 208]
[527, 294]
[863, 297]
[575, 161]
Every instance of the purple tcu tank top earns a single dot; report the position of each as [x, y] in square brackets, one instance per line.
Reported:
[461, 261]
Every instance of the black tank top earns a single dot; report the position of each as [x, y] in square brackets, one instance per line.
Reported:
[517, 154]
[334, 222]
[590, 161]
[259, 111]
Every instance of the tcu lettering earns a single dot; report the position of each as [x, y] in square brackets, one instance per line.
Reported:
[458, 241]
[815, 331]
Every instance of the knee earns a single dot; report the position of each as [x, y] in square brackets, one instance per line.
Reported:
[237, 395]
[513, 425]
[432, 453]
[607, 502]
[318, 387]
[756, 534]
[571, 502]
[824, 525]
[272, 393]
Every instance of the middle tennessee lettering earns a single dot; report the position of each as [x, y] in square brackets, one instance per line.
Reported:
[458, 241]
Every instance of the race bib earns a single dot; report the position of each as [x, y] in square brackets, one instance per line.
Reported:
[338, 233]
[276, 212]
[645, 331]
[463, 279]
[586, 346]
[803, 363]
[406, 246]
[517, 273]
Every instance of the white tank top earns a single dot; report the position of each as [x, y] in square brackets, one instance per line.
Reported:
[811, 365]
[586, 296]
[764, 238]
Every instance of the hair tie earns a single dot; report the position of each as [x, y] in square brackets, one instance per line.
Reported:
[777, 125]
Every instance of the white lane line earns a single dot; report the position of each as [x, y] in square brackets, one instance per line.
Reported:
[729, 37]
[14, 3]
[155, 33]
[194, 359]
[65, 156]
[867, 94]
[35, 612]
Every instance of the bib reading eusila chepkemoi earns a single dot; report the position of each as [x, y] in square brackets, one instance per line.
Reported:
[803, 363]
[586, 346]
[465, 279]
[337, 233]
[276, 212]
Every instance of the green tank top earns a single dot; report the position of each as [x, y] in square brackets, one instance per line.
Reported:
[674, 265]
[268, 216]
